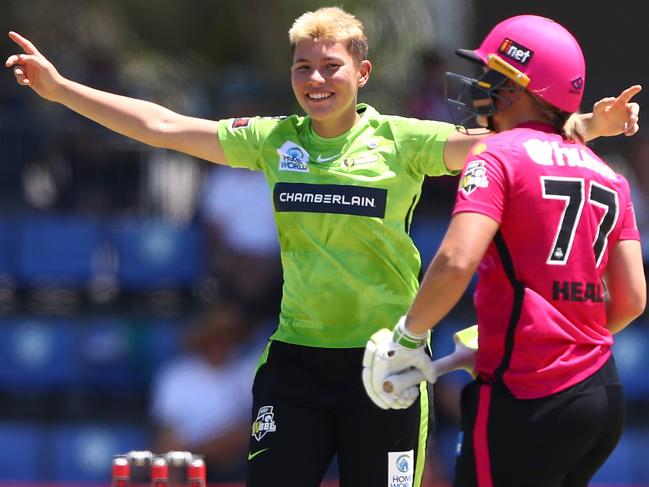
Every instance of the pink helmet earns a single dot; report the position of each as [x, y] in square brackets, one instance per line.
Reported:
[539, 54]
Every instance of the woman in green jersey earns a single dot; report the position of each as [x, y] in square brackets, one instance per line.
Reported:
[345, 180]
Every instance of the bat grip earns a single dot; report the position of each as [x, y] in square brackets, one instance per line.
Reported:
[397, 383]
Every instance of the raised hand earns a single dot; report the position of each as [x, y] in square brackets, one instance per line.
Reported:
[617, 115]
[33, 69]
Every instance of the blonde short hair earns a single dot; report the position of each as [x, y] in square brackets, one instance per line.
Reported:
[331, 23]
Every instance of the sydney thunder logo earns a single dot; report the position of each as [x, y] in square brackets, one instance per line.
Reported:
[264, 423]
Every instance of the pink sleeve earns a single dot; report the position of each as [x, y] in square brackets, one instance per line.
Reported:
[629, 229]
[482, 187]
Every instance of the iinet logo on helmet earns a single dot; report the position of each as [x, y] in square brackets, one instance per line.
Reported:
[515, 51]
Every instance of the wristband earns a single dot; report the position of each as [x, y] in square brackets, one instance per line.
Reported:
[407, 339]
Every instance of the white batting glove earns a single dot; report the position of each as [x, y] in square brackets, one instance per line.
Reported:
[388, 353]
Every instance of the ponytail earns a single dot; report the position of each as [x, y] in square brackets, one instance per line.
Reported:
[573, 128]
[569, 125]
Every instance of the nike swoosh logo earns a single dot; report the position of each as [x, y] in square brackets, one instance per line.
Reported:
[326, 159]
[252, 455]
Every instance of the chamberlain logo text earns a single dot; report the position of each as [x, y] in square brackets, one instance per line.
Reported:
[327, 199]
[330, 198]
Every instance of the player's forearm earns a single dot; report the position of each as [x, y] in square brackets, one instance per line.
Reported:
[622, 310]
[626, 285]
[618, 319]
[590, 130]
[466, 241]
[442, 287]
[138, 119]
[458, 145]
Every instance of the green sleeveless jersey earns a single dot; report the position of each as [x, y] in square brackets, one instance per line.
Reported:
[343, 208]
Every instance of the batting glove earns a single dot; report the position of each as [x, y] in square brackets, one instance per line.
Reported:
[388, 353]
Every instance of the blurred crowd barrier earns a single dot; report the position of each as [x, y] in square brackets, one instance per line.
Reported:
[97, 257]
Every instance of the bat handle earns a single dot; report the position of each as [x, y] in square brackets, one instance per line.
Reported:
[461, 358]
[397, 383]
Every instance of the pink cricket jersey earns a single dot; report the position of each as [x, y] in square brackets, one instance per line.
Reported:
[540, 295]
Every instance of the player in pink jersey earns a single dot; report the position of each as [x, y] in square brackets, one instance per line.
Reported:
[551, 230]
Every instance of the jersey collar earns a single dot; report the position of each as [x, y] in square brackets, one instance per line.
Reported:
[536, 125]
[365, 111]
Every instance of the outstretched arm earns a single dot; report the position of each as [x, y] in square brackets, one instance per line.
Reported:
[138, 119]
[611, 116]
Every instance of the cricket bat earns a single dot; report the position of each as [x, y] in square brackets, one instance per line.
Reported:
[462, 358]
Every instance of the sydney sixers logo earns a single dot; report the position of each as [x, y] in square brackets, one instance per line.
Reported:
[577, 85]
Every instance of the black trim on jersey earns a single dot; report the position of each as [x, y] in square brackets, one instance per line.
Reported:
[408, 221]
[330, 198]
[517, 305]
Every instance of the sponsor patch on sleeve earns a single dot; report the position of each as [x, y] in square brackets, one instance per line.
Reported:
[475, 176]
[238, 123]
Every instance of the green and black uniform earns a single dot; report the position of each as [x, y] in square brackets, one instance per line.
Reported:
[343, 208]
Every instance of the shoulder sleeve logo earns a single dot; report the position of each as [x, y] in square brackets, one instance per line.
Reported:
[475, 176]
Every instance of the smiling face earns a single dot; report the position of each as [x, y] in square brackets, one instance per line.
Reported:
[325, 79]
